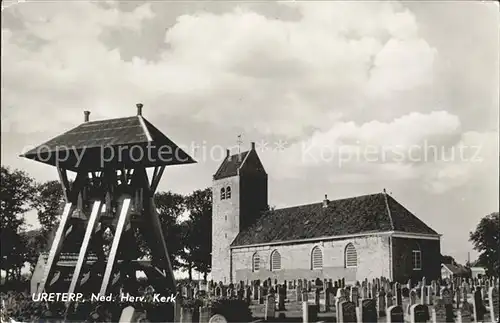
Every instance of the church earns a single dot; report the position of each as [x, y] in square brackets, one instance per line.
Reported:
[360, 237]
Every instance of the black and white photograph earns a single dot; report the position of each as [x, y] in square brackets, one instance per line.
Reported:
[250, 161]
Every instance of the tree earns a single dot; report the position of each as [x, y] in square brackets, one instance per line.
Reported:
[448, 260]
[16, 195]
[35, 242]
[486, 240]
[198, 232]
[49, 202]
[170, 207]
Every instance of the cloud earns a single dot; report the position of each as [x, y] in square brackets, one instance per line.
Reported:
[474, 157]
[303, 69]
[411, 147]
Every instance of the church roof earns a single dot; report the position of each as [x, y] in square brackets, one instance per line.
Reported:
[95, 139]
[456, 269]
[230, 165]
[362, 214]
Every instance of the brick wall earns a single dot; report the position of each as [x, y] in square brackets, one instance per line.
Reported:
[225, 226]
[373, 260]
[403, 263]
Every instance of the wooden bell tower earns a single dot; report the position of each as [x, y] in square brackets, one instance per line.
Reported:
[108, 205]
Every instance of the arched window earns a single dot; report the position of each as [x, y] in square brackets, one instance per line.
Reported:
[316, 258]
[255, 262]
[350, 256]
[275, 260]
[228, 192]
[416, 258]
[222, 193]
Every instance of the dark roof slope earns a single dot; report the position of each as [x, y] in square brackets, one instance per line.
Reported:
[456, 269]
[91, 137]
[403, 220]
[230, 165]
[90, 134]
[361, 214]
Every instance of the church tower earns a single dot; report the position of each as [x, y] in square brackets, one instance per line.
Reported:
[239, 197]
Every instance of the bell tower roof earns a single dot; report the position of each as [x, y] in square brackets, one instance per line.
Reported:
[121, 142]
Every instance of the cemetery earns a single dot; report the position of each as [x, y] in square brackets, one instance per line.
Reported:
[379, 300]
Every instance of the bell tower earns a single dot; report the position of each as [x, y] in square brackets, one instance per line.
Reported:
[239, 196]
[111, 199]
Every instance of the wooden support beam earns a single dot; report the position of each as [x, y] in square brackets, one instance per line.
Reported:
[156, 179]
[122, 221]
[160, 239]
[94, 219]
[63, 177]
[56, 244]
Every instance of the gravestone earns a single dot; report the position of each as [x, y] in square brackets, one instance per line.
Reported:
[240, 293]
[217, 318]
[355, 295]
[332, 294]
[348, 312]
[127, 315]
[298, 294]
[316, 297]
[388, 299]
[305, 295]
[399, 296]
[429, 295]
[464, 315]
[328, 297]
[478, 306]
[255, 292]
[281, 298]
[493, 303]
[381, 308]
[368, 311]
[394, 315]
[446, 296]
[419, 313]
[270, 309]
[248, 294]
[309, 313]
[261, 295]
[364, 292]
[423, 293]
[440, 313]
[412, 300]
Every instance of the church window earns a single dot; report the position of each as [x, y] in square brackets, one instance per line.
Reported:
[222, 193]
[417, 258]
[275, 260]
[228, 192]
[351, 256]
[316, 258]
[255, 262]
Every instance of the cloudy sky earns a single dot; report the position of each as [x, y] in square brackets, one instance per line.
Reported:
[342, 98]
